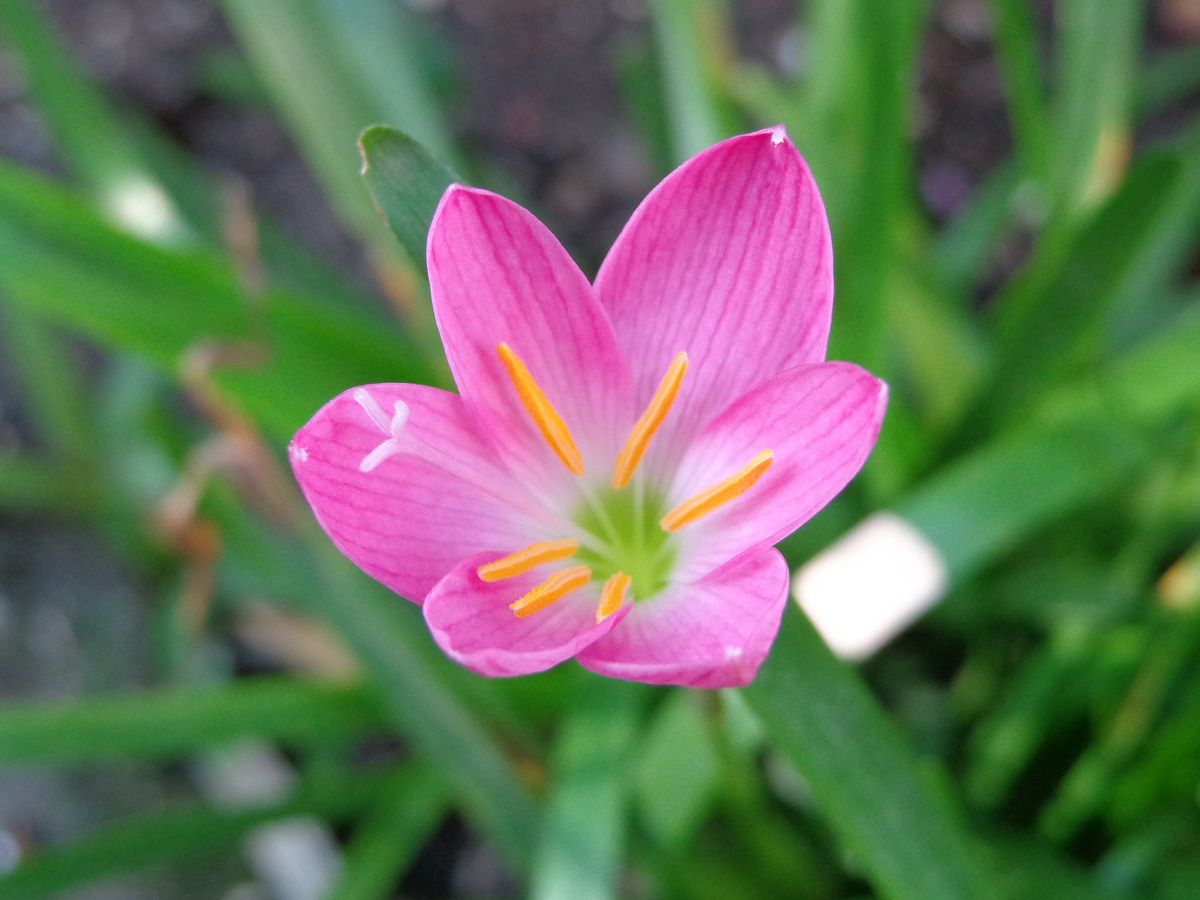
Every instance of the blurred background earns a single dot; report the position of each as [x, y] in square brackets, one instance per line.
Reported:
[200, 699]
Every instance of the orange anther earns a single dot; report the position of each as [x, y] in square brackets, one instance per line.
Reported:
[645, 427]
[699, 506]
[523, 560]
[551, 590]
[541, 410]
[612, 595]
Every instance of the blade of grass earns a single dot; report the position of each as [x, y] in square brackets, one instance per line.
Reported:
[390, 638]
[580, 849]
[694, 123]
[177, 834]
[390, 835]
[91, 138]
[1019, 57]
[169, 723]
[1099, 42]
[891, 811]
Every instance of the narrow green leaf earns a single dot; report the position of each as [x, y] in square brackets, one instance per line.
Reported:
[1019, 57]
[673, 799]
[691, 110]
[390, 638]
[891, 811]
[981, 506]
[169, 723]
[177, 834]
[407, 184]
[1099, 43]
[390, 836]
[92, 139]
[580, 851]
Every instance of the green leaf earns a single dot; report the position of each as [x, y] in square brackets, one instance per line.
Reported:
[891, 811]
[982, 505]
[690, 104]
[672, 798]
[391, 835]
[580, 851]
[1019, 56]
[407, 184]
[177, 834]
[166, 724]
[390, 638]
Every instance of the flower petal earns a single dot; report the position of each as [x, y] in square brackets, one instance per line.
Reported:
[408, 520]
[728, 259]
[820, 421]
[498, 275]
[714, 633]
[471, 621]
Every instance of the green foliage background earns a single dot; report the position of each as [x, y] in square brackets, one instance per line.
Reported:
[1040, 738]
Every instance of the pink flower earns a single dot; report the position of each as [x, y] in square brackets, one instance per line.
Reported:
[622, 456]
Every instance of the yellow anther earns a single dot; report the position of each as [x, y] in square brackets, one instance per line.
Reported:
[523, 560]
[643, 429]
[612, 595]
[719, 494]
[543, 413]
[552, 589]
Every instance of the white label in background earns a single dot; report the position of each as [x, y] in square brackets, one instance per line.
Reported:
[870, 585]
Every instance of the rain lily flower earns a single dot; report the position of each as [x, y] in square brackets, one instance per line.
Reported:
[621, 457]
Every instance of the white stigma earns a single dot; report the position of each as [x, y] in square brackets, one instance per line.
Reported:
[393, 428]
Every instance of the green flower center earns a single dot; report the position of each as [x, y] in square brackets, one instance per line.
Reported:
[626, 523]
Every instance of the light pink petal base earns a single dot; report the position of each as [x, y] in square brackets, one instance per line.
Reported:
[711, 634]
[407, 521]
[730, 260]
[498, 275]
[821, 422]
[471, 621]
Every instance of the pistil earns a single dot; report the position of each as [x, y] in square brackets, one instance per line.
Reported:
[709, 500]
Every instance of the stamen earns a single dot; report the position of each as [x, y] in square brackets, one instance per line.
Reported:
[719, 494]
[523, 560]
[645, 427]
[612, 595]
[543, 413]
[551, 590]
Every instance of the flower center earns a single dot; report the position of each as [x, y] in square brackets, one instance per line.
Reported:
[625, 530]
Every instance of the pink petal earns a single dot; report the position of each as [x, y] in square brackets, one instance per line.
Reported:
[821, 422]
[471, 621]
[498, 275]
[729, 259]
[714, 633]
[408, 520]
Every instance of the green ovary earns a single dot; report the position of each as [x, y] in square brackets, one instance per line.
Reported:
[638, 545]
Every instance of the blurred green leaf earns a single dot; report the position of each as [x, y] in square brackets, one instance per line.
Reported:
[168, 723]
[177, 834]
[1099, 43]
[982, 505]
[407, 184]
[679, 31]
[1019, 54]
[582, 840]
[674, 798]
[891, 812]
[390, 638]
[390, 835]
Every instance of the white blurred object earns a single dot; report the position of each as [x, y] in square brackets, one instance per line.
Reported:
[296, 859]
[870, 585]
